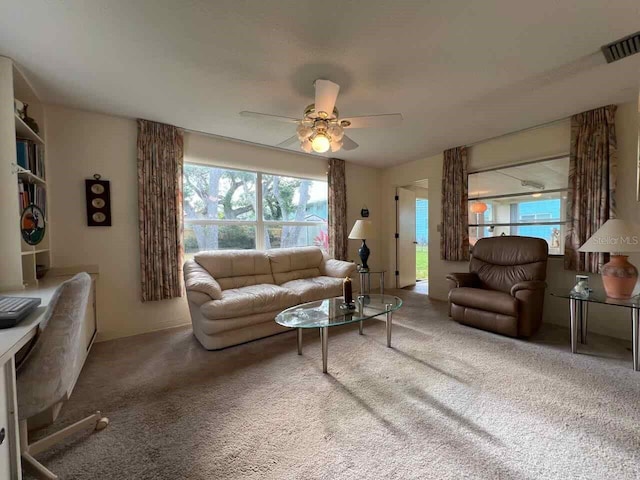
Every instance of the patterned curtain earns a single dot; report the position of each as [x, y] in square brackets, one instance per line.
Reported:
[592, 184]
[160, 157]
[454, 238]
[337, 210]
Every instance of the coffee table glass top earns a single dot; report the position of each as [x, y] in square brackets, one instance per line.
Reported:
[327, 313]
[598, 297]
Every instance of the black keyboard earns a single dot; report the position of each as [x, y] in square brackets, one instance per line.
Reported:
[16, 309]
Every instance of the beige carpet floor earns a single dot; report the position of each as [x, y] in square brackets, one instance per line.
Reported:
[447, 401]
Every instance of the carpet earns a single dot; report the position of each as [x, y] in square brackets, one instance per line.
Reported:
[446, 402]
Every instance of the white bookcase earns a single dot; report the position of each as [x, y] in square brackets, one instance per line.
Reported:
[18, 259]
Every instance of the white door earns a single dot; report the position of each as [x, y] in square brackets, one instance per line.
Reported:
[406, 241]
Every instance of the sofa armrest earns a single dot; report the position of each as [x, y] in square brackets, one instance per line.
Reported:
[528, 285]
[463, 280]
[198, 298]
[337, 268]
[197, 279]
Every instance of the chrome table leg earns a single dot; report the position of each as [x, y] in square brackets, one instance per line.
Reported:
[362, 279]
[299, 341]
[389, 322]
[575, 309]
[324, 337]
[361, 328]
[584, 317]
[635, 331]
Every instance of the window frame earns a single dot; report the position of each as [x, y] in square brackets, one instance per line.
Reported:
[261, 225]
[563, 204]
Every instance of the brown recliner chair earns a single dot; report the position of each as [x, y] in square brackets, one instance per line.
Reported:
[504, 289]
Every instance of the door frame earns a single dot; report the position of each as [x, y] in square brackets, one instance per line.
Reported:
[397, 224]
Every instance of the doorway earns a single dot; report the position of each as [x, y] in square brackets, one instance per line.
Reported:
[422, 244]
[412, 237]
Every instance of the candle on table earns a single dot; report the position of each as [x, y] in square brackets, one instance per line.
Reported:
[347, 290]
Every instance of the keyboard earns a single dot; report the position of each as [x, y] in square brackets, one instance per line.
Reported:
[16, 309]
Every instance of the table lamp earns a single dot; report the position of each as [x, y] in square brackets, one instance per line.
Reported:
[619, 238]
[362, 230]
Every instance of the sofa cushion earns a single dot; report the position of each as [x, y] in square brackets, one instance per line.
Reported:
[488, 300]
[237, 302]
[289, 264]
[315, 288]
[236, 268]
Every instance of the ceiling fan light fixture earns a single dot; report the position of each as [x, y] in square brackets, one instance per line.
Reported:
[303, 132]
[336, 145]
[336, 132]
[320, 143]
[305, 145]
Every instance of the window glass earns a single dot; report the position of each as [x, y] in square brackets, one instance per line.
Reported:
[199, 238]
[221, 210]
[294, 199]
[218, 193]
[282, 236]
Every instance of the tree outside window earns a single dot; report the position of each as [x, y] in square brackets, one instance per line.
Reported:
[225, 209]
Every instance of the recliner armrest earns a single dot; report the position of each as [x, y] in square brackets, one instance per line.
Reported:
[528, 285]
[464, 279]
[337, 268]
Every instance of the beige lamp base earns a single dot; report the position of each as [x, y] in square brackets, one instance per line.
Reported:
[619, 277]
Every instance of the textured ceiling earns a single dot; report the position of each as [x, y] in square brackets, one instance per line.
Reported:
[459, 71]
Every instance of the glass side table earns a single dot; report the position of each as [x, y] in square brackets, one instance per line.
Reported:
[578, 308]
[365, 280]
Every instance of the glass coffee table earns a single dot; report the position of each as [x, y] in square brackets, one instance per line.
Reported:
[327, 313]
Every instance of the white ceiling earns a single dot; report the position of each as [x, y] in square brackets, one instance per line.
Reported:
[459, 71]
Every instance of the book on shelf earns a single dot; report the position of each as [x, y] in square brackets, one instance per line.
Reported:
[29, 193]
[30, 156]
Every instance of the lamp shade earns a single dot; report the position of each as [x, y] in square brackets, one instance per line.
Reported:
[616, 236]
[362, 230]
[478, 207]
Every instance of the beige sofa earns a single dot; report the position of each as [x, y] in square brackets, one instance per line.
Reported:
[234, 295]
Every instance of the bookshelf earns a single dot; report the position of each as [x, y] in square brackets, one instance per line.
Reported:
[23, 180]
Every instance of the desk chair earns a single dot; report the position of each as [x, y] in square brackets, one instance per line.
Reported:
[46, 375]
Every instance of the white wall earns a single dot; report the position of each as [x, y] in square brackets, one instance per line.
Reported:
[534, 144]
[363, 189]
[402, 175]
[80, 144]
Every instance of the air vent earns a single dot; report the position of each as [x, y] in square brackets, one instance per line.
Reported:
[622, 48]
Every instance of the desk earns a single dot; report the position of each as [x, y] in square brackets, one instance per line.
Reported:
[11, 341]
[578, 310]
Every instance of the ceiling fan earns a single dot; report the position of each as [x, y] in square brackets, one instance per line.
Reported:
[321, 129]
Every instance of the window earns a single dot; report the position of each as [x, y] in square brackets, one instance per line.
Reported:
[527, 200]
[234, 209]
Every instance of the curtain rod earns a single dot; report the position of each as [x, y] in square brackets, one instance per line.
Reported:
[535, 127]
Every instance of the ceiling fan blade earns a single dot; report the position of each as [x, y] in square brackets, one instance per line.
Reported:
[387, 120]
[288, 142]
[348, 144]
[266, 116]
[326, 95]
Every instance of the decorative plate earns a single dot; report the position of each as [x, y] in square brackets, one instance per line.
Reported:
[32, 224]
